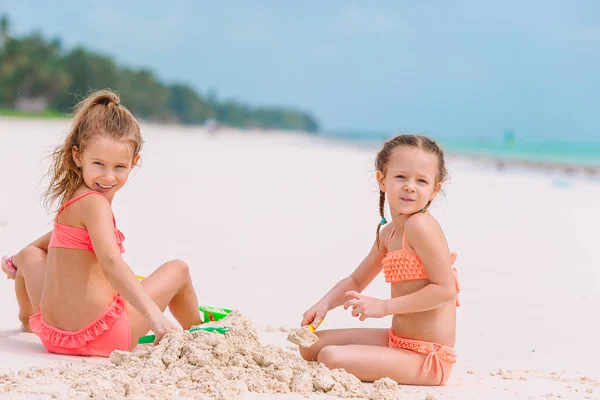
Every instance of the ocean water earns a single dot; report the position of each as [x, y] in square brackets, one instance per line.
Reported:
[576, 152]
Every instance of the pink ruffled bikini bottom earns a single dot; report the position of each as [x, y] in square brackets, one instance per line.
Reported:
[109, 332]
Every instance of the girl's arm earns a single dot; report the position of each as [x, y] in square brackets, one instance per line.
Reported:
[42, 242]
[427, 239]
[361, 277]
[98, 219]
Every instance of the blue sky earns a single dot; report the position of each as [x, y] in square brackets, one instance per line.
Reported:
[461, 68]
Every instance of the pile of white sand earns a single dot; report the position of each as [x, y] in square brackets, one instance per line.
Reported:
[197, 365]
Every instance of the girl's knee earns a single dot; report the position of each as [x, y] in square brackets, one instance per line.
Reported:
[309, 354]
[32, 255]
[331, 356]
[179, 265]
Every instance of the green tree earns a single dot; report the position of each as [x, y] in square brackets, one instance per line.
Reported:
[30, 67]
[33, 67]
[88, 71]
[188, 106]
[144, 95]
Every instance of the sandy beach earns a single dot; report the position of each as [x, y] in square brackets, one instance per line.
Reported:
[269, 221]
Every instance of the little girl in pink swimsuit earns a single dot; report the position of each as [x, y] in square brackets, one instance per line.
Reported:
[74, 289]
[414, 256]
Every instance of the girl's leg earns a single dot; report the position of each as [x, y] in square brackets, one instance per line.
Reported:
[342, 337]
[369, 363]
[26, 310]
[170, 285]
[29, 281]
[366, 354]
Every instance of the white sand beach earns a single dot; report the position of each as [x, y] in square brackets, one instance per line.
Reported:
[269, 221]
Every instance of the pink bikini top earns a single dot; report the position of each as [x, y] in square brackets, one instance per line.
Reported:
[70, 237]
[404, 265]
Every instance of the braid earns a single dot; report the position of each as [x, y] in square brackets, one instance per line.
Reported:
[381, 213]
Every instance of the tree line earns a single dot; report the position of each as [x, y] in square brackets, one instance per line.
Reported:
[39, 69]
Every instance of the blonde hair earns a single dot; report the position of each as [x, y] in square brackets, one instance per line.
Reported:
[416, 141]
[99, 114]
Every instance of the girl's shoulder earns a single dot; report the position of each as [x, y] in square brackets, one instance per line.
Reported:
[422, 223]
[84, 201]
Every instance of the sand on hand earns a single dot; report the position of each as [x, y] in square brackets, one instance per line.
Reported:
[302, 336]
[196, 365]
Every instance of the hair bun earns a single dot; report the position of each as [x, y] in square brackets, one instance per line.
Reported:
[108, 102]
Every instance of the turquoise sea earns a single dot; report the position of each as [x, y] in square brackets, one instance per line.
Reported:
[577, 152]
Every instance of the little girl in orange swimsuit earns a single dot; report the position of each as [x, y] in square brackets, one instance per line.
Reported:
[414, 256]
[73, 288]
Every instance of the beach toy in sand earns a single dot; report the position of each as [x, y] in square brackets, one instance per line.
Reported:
[150, 338]
[303, 336]
[211, 313]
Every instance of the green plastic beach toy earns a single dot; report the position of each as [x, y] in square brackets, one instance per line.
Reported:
[150, 338]
[213, 313]
[209, 313]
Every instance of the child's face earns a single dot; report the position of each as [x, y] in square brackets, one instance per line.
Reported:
[106, 164]
[409, 182]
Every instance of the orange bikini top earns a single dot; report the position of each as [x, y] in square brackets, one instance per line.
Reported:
[70, 237]
[404, 265]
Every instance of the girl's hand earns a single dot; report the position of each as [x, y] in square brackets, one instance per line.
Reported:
[8, 268]
[160, 325]
[364, 307]
[315, 315]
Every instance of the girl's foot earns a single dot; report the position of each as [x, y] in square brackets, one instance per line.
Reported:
[8, 268]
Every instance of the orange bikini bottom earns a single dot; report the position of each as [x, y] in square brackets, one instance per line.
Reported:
[440, 358]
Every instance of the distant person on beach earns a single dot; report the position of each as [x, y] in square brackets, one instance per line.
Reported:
[211, 126]
[413, 253]
[73, 288]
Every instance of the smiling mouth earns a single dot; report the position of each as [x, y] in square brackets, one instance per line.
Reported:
[105, 187]
[406, 199]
